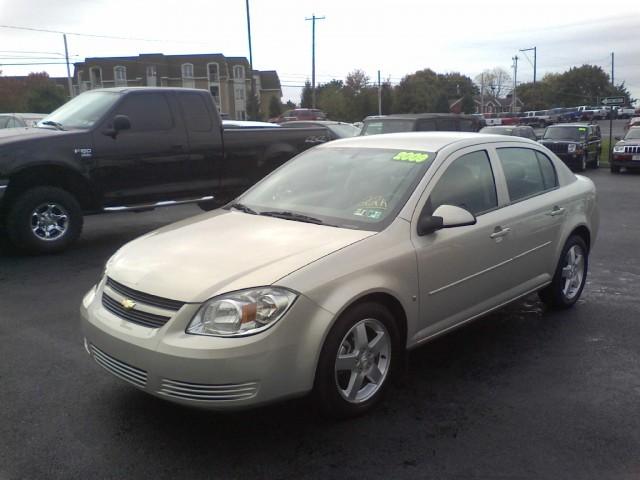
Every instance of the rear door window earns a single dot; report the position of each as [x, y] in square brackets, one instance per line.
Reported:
[447, 125]
[195, 112]
[527, 172]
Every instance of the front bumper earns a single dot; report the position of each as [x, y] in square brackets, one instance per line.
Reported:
[211, 372]
[571, 159]
[624, 160]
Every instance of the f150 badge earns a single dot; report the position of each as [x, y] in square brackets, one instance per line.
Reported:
[84, 152]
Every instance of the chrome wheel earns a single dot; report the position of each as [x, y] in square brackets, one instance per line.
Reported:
[49, 221]
[573, 272]
[363, 360]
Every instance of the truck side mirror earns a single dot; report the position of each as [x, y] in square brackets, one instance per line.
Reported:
[120, 122]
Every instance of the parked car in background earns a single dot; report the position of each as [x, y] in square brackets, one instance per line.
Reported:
[129, 149]
[625, 112]
[626, 153]
[322, 276]
[300, 114]
[421, 122]
[17, 120]
[524, 131]
[492, 119]
[592, 113]
[509, 118]
[633, 122]
[578, 145]
[335, 130]
[537, 118]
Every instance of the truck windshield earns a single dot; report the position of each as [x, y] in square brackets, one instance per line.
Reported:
[633, 134]
[375, 127]
[572, 134]
[356, 188]
[82, 112]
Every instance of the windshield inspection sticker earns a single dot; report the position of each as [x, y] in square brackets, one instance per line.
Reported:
[414, 157]
[371, 213]
[582, 129]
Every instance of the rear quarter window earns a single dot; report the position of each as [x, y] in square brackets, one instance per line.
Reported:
[195, 112]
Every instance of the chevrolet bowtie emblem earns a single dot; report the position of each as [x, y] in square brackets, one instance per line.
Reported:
[127, 304]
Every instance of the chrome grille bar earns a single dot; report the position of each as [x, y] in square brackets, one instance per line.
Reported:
[124, 371]
[145, 298]
[145, 319]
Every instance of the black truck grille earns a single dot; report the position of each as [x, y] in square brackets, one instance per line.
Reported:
[558, 147]
[632, 149]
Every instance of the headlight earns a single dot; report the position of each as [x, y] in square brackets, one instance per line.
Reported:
[572, 148]
[618, 149]
[240, 313]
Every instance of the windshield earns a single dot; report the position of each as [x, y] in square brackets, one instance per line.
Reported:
[357, 188]
[344, 130]
[375, 127]
[633, 134]
[83, 111]
[573, 134]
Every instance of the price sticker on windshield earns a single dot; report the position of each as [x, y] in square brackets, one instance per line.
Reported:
[582, 129]
[413, 157]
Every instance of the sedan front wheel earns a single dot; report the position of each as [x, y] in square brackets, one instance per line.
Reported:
[356, 361]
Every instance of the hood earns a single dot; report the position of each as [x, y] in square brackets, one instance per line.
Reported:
[8, 135]
[222, 251]
[632, 142]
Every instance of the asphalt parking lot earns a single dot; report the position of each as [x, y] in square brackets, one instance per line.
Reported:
[521, 394]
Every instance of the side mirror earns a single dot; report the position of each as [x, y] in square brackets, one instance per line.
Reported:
[120, 122]
[618, 137]
[445, 216]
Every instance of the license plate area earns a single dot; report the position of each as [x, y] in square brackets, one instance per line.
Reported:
[636, 157]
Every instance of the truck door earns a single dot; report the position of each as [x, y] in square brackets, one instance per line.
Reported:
[148, 162]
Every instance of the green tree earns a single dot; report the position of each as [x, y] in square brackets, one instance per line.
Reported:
[417, 92]
[306, 98]
[275, 107]
[290, 105]
[468, 105]
[253, 108]
[442, 104]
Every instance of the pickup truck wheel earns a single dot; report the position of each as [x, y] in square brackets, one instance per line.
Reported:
[570, 275]
[44, 220]
[358, 357]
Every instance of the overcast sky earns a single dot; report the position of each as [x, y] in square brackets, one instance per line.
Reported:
[397, 37]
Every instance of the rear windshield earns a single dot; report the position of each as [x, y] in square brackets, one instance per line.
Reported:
[497, 130]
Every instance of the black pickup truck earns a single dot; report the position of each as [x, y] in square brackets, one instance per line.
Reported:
[134, 149]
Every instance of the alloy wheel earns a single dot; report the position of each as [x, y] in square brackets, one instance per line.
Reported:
[49, 221]
[573, 272]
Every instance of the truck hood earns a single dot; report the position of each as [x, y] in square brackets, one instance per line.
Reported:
[223, 251]
[9, 135]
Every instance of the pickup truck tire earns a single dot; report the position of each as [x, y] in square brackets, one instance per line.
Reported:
[44, 220]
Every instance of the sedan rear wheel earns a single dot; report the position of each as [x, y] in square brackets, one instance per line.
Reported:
[356, 361]
[570, 275]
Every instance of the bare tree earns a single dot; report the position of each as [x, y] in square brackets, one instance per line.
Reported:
[496, 81]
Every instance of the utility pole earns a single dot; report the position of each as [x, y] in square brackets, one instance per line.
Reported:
[612, 82]
[253, 92]
[313, 58]
[66, 56]
[515, 83]
[535, 60]
[379, 95]
[482, 93]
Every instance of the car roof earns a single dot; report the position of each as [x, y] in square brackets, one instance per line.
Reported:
[320, 122]
[423, 141]
[574, 125]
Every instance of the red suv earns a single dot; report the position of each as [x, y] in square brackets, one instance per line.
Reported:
[300, 114]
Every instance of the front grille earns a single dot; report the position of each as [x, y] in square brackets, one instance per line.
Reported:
[120, 369]
[208, 393]
[632, 149]
[557, 147]
[145, 319]
[145, 298]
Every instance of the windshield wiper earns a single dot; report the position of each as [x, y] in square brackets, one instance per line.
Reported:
[243, 208]
[298, 217]
[52, 123]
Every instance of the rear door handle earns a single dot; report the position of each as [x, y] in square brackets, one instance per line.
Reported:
[499, 232]
[556, 211]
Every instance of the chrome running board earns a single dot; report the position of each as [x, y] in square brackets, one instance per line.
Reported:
[151, 206]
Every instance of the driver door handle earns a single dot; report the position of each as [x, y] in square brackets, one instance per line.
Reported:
[500, 232]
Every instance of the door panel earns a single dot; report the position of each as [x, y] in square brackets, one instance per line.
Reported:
[147, 162]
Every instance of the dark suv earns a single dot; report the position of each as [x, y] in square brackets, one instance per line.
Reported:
[577, 145]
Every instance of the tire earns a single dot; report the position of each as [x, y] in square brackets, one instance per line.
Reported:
[334, 393]
[570, 275]
[615, 169]
[44, 220]
[596, 161]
